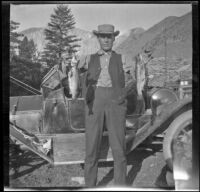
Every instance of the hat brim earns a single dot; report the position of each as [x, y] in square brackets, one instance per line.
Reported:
[99, 33]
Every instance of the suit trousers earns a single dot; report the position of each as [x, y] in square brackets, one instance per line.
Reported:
[114, 114]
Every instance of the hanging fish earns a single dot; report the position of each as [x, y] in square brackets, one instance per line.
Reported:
[141, 75]
[73, 78]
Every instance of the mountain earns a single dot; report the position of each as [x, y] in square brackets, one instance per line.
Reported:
[176, 32]
[131, 33]
[38, 36]
[178, 36]
[88, 43]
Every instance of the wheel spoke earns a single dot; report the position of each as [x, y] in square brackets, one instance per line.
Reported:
[178, 138]
[184, 142]
[186, 133]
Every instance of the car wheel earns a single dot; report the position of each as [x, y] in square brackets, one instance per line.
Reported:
[178, 130]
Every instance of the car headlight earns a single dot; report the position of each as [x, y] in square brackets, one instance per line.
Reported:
[160, 97]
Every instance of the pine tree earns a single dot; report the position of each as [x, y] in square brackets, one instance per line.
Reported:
[33, 50]
[14, 38]
[60, 44]
[23, 65]
[27, 49]
[27, 71]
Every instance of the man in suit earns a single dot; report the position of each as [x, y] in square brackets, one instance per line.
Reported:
[105, 97]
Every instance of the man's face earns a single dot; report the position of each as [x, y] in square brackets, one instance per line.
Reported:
[106, 41]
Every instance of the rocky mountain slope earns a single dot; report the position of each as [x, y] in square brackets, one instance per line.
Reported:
[175, 31]
[88, 43]
[131, 33]
[172, 42]
[38, 36]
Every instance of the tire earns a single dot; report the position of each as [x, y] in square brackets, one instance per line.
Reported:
[173, 131]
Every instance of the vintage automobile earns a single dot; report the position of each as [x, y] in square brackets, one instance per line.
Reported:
[52, 125]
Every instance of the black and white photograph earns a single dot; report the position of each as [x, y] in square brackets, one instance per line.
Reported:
[100, 96]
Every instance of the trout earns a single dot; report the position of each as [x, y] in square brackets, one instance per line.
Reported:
[140, 74]
[141, 79]
[73, 78]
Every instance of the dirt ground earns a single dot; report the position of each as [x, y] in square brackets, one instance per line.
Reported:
[146, 169]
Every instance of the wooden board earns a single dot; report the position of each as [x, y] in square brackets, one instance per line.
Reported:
[70, 149]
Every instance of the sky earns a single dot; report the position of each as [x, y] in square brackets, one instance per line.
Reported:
[88, 16]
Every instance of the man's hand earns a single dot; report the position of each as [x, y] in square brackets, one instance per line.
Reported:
[120, 100]
[75, 60]
[146, 57]
[147, 53]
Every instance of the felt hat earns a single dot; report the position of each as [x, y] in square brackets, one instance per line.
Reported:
[106, 29]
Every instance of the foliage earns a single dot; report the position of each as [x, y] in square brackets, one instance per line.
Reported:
[14, 38]
[27, 49]
[26, 71]
[23, 65]
[60, 44]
